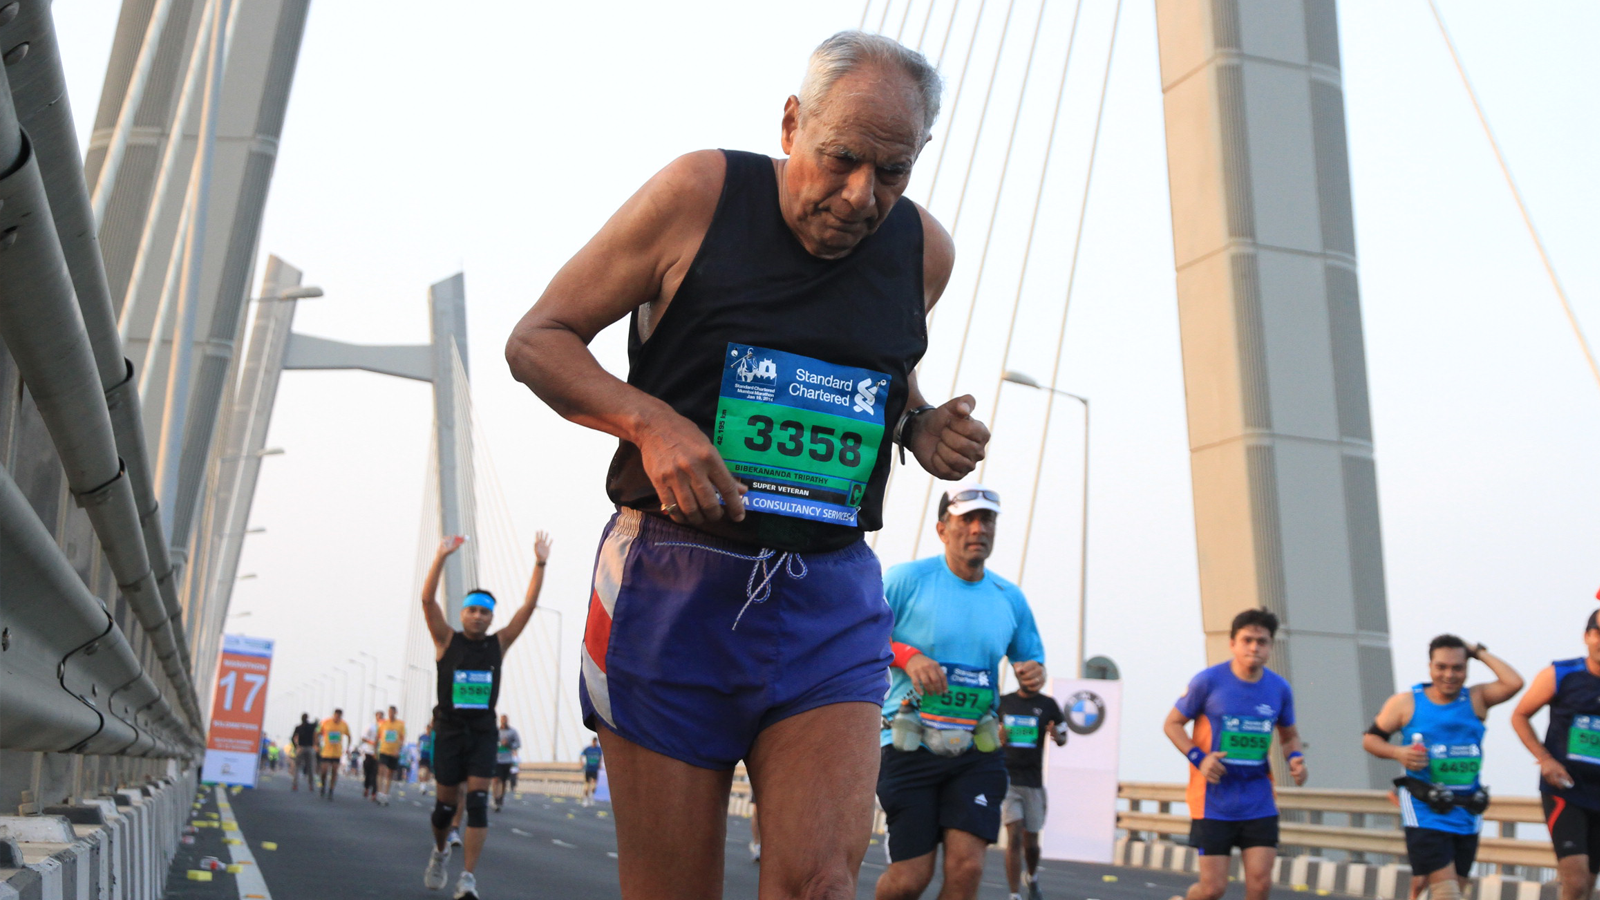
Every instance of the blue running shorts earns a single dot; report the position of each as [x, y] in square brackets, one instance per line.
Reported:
[694, 643]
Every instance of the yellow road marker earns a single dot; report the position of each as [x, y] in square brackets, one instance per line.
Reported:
[199, 875]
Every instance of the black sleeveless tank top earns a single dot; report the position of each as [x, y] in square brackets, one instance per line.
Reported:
[469, 682]
[1573, 736]
[753, 284]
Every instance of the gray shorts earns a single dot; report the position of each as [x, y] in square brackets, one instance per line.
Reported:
[1029, 804]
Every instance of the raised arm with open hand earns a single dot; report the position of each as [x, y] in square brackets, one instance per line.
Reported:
[438, 628]
[530, 601]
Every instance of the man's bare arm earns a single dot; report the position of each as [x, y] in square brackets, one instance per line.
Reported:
[947, 441]
[1505, 686]
[438, 628]
[640, 256]
[519, 619]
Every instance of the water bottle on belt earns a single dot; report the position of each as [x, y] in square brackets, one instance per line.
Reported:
[986, 736]
[906, 727]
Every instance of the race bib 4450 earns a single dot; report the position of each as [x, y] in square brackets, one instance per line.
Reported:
[802, 433]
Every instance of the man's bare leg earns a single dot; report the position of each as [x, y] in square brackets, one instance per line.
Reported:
[671, 820]
[1213, 872]
[906, 879]
[1014, 840]
[812, 840]
[1577, 882]
[449, 795]
[1257, 872]
[963, 870]
[472, 839]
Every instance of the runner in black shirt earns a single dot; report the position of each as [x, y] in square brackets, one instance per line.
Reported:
[1028, 718]
[304, 741]
[468, 683]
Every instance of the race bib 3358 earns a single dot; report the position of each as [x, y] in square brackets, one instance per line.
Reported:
[802, 433]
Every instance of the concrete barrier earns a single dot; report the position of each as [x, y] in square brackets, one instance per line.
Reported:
[1314, 874]
[114, 847]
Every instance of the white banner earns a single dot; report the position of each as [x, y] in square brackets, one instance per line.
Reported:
[1082, 776]
[233, 746]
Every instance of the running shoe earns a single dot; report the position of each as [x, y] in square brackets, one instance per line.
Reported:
[454, 839]
[755, 852]
[1033, 890]
[467, 887]
[435, 876]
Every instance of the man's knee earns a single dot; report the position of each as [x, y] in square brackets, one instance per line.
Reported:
[477, 809]
[907, 878]
[963, 868]
[442, 814]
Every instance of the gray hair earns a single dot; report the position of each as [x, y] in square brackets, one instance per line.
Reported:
[850, 50]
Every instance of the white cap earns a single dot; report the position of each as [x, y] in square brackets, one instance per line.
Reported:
[966, 496]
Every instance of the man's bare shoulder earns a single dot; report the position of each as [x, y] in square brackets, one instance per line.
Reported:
[938, 255]
[689, 184]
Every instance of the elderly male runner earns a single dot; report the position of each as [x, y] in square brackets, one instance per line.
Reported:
[465, 736]
[776, 311]
[1441, 750]
[1236, 706]
[1569, 760]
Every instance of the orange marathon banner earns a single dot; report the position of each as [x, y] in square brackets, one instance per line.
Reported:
[233, 746]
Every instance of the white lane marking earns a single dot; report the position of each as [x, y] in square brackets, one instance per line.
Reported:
[249, 881]
[560, 843]
[611, 853]
[521, 832]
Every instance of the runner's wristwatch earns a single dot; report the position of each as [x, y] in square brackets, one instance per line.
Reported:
[902, 431]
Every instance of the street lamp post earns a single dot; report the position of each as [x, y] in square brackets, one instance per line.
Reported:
[1016, 377]
[361, 687]
[405, 684]
[555, 731]
[374, 678]
[344, 688]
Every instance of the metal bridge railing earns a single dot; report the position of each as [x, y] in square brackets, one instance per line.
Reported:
[1371, 822]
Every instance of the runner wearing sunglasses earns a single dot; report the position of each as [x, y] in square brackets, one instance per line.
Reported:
[942, 777]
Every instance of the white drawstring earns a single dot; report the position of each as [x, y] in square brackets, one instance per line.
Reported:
[791, 563]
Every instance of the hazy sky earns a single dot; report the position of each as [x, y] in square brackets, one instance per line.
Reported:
[497, 139]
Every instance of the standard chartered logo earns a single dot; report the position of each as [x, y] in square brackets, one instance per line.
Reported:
[866, 396]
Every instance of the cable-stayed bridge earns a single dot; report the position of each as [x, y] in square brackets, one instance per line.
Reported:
[138, 388]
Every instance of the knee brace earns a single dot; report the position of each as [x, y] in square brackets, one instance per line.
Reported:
[443, 813]
[477, 809]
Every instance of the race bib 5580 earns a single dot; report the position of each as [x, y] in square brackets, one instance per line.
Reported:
[802, 433]
[471, 689]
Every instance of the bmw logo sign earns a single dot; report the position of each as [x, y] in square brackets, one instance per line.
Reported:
[1086, 712]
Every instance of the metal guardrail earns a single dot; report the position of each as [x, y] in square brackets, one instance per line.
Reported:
[1505, 849]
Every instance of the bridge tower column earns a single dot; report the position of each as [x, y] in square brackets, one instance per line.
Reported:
[1285, 492]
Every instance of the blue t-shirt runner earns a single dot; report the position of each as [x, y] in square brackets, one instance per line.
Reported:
[591, 759]
[967, 627]
[1235, 717]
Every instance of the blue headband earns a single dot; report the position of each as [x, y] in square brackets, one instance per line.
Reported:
[479, 598]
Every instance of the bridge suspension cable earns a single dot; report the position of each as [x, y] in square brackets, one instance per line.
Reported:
[1066, 304]
[1522, 206]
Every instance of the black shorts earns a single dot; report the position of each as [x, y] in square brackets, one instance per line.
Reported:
[389, 761]
[461, 752]
[1431, 850]
[1218, 837]
[591, 774]
[506, 771]
[1574, 830]
[923, 794]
